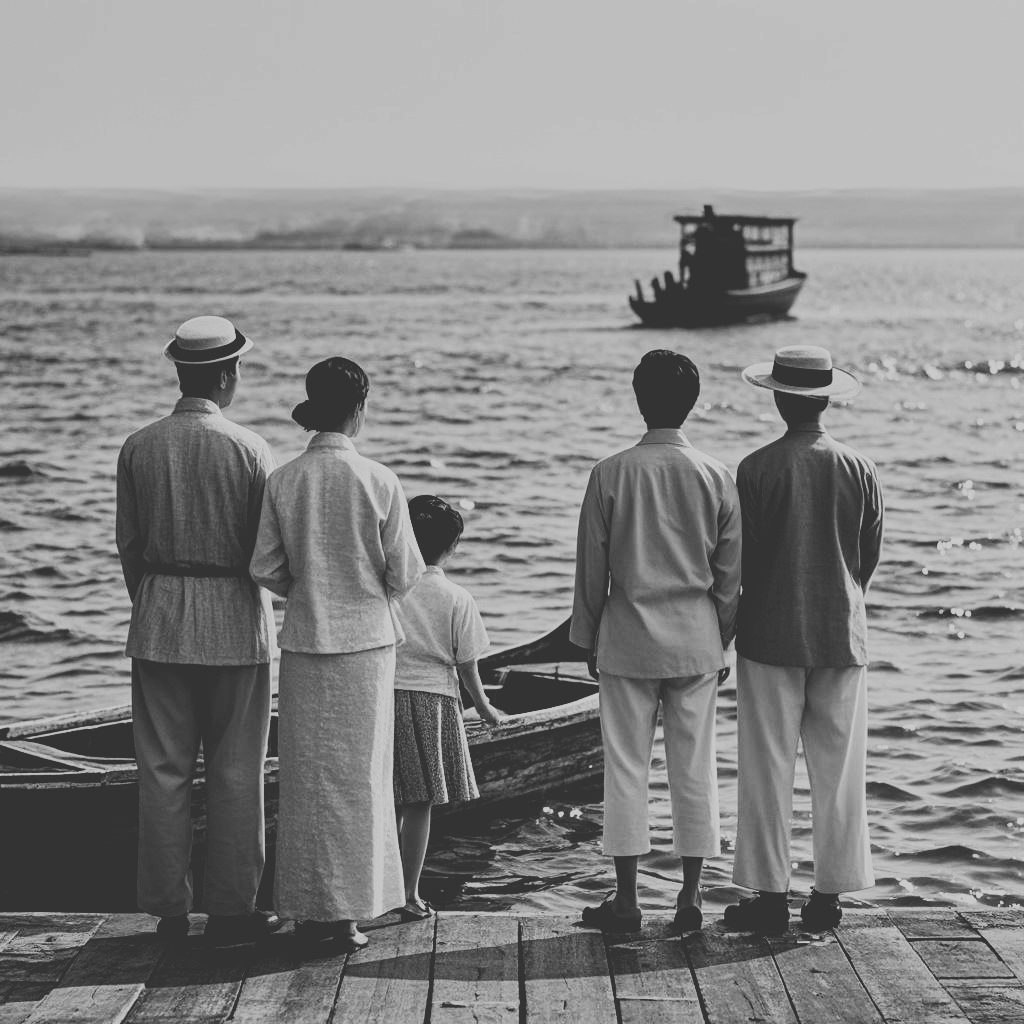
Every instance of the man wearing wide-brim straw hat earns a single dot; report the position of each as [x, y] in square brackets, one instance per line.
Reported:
[189, 492]
[812, 535]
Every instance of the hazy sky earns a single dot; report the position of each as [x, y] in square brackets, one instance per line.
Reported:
[760, 94]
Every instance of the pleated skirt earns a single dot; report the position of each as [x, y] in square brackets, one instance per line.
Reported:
[337, 844]
[432, 762]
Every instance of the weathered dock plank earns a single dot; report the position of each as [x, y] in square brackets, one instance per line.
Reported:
[565, 973]
[987, 1002]
[476, 970]
[737, 978]
[961, 958]
[281, 985]
[107, 977]
[1004, 932]
[500, 969]
[931, 923]
[821, 982]
[651, 976]
[390, 979]
[895, 977]
[194, 984]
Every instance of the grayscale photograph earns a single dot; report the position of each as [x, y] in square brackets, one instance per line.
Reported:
[511, 512]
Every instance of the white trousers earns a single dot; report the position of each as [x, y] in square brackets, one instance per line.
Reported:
[629, 716]
[827, 708]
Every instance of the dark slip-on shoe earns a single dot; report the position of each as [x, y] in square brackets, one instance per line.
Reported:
[608, 919]
[758, 914]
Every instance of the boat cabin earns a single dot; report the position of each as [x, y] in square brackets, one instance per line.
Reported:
[726, 252]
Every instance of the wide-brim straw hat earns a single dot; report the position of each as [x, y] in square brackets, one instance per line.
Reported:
[206, 339]
[803, 370]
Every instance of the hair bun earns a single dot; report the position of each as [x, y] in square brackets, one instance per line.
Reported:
[305, 415]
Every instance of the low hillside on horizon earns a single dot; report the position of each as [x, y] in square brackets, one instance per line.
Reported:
[38, 220]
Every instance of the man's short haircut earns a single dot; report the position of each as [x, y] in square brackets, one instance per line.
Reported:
[200, 379]
[799, 408]
[436, 524]
[666, 385]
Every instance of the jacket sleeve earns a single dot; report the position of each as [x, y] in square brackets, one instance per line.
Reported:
[403, 561]
[871, 528]
[592, 568]
[726, 560]
[269, 565]
[263, 465]
[128, 531]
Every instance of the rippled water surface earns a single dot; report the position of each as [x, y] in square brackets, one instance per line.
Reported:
[498, 378]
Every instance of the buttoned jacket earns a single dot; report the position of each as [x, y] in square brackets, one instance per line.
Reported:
[658, 560]
[189, 491]
[335, 539]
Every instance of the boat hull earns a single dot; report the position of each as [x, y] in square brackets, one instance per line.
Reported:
[682, 308]
[69, 790]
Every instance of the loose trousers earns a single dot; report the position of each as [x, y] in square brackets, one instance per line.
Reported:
[827, 708]
[174, 708]
[629, 716]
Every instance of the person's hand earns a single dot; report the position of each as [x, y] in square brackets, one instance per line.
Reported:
[592, 664]
[723, 674]
[492, 715]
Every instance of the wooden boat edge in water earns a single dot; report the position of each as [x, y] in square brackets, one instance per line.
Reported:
[71, 817]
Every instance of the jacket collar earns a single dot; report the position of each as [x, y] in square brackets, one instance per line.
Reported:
[331, 440]
[200, 405]
[665, 435]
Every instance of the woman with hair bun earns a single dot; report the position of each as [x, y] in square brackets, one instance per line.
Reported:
[335, 539]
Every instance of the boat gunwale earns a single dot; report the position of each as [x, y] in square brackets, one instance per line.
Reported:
[78, 770]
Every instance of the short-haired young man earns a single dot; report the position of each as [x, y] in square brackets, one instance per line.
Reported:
[657, 586]
[812, 536]
[189, 492]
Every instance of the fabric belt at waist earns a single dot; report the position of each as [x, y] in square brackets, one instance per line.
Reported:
[198, 571]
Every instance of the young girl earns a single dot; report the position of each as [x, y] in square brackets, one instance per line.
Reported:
[444, 636]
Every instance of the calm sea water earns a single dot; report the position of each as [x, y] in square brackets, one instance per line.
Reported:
[498, 379]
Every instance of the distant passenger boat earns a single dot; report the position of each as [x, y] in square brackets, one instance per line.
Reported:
[731, 269]
[69, 786]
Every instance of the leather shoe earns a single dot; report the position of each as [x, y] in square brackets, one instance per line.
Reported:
[237, 930]
[758, 914]
[821, 912]
[608, 919]
[688, 919]
[173, 929]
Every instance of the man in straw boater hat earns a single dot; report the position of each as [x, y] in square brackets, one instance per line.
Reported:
[657, 585]
[812, 535]
[189, 491]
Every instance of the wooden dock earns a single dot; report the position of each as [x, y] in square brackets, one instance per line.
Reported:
[915, 966]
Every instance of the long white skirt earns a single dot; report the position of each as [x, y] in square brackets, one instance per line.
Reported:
[337, 845]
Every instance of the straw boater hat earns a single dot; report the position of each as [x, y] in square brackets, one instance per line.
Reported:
[206, 339]
[803, 370]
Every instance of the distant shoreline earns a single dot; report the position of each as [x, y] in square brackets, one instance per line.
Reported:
[59, 249]
[377, 220]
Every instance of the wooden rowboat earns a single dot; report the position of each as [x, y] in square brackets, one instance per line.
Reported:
[69, 784]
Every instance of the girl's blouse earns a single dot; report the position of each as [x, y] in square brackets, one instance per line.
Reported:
[443, 628]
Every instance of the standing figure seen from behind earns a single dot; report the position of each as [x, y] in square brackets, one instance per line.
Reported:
[189, 491]
[812, 535]
[657, 586]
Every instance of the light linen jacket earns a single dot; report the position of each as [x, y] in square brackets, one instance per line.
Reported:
[189, 490]
[658, 561]
[335, 539]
